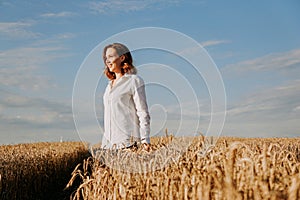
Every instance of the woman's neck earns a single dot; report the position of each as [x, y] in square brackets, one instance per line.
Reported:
[118, 75]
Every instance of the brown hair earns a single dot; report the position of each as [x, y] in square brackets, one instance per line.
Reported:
[127, 66]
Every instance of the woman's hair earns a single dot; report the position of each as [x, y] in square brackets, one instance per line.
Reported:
[127, 66]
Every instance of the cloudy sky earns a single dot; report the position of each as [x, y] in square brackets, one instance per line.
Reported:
[255, 46]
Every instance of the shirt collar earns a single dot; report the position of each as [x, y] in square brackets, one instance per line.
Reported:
[126, 75]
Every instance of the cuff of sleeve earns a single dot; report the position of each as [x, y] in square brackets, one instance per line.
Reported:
[145, 140]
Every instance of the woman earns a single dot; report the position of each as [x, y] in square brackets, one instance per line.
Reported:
[126, 116]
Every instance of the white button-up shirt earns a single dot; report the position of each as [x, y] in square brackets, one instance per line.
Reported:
[126, 113]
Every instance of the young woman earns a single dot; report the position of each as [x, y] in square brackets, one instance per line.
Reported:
[126, 116]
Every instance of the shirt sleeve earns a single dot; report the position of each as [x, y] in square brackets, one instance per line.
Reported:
[139, 98]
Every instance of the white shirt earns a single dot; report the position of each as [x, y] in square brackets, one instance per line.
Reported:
[126, 113]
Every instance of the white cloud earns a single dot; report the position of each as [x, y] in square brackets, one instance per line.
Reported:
[267, 104]
[27, 119]
[5, 3]
[65, 36]
[214, 42]
[296, 109]
[17, 30]
[209, 43]
[274, 61]
[21, 67]
[278, 101]
[58, 15]
[271, 112]
[31, 113]
[29, 56]
[108, 7]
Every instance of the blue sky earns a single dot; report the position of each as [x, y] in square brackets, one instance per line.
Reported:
[255, 45]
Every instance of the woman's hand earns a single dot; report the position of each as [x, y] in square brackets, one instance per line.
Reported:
[146, 147]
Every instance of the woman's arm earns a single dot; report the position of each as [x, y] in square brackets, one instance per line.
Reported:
[139, 98]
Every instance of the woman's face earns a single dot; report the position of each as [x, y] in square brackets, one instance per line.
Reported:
[113, 60]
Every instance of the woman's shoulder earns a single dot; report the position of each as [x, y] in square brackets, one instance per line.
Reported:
[136, 80]
[134, 77]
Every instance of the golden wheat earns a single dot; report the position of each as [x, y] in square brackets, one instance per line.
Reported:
[235, 168]
[38, 170]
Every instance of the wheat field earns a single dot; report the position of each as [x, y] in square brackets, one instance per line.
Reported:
[235, 168]
[38, 170]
